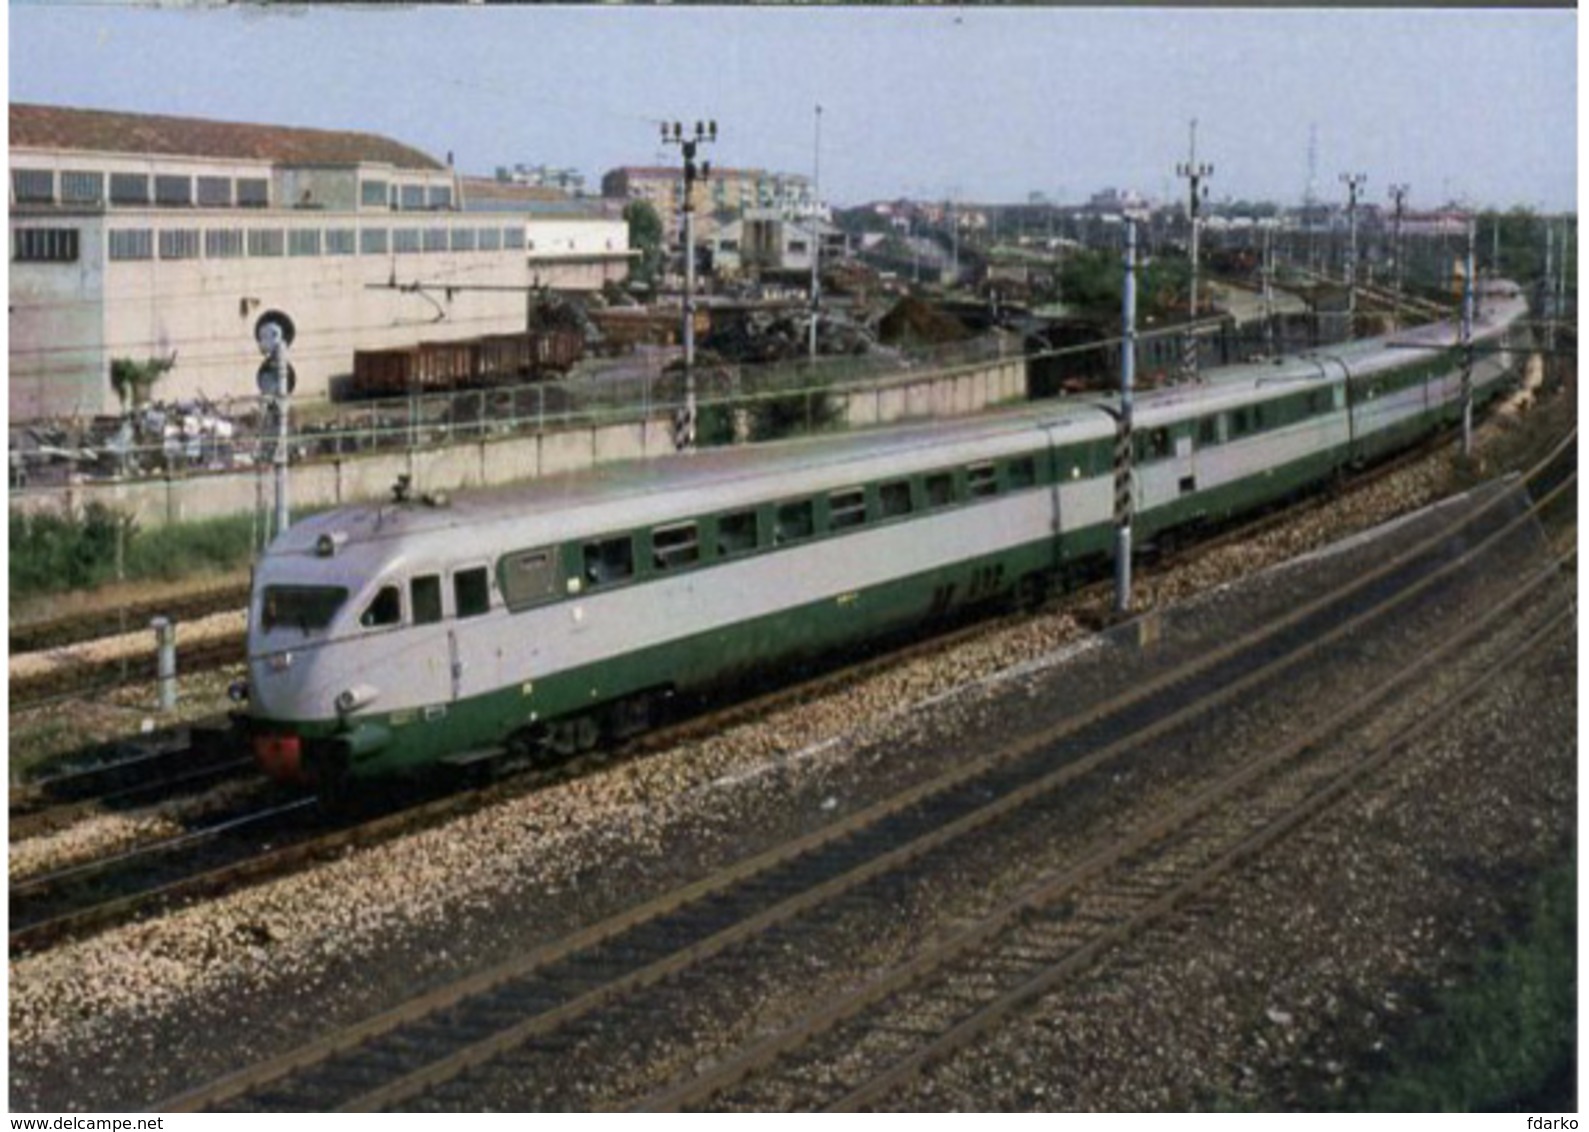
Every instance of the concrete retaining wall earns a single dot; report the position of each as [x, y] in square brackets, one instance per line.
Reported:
[499, 460]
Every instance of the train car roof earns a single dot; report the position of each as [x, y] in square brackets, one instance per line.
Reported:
[631, 494]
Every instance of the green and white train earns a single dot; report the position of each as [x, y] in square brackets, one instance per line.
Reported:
[386, 639]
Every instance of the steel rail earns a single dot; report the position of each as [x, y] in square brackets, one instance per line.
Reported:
[1035, 898]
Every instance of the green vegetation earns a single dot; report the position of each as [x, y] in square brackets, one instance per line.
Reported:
[1094, 281]
[645, 236]
[53, 553]
[132, 380]
[1505, 1040]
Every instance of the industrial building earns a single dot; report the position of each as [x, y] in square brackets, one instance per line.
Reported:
[143, 237]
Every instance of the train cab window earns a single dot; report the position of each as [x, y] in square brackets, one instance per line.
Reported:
[424, 596]
[846, 508]
[528, 576]
[894, 499]
[794, 521]
[981, 479]
[672, 547]
[736, 534]
[608, 561]
[1021, 473]
[385, 609]
[471, 592]
[940, 489]
[300, 607]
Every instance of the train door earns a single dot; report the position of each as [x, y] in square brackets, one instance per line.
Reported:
[471, 645]
[432, 672]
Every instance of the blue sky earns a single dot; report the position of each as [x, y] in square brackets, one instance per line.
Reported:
[981, 104]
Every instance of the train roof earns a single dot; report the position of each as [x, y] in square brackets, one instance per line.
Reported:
[633, 494]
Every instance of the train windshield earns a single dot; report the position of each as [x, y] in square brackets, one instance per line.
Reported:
[301, 607]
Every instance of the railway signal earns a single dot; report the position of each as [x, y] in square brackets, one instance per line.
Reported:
[274, 331]
[684, 418]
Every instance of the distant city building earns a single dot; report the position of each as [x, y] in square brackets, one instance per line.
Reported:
[143, 236]
[725, 196]
[569, 181]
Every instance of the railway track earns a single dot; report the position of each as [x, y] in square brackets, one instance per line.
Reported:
[62, 631]
[531, 1005]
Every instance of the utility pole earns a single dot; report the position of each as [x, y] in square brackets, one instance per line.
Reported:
[273, 333]
[1128, 370]
[816, 234]
[1353, 182]
[1195, 175]
[1467, 344]
[1398, 193]
[684, 418]
[1268, 291]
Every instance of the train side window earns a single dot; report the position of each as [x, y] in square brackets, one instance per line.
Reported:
[1153, 444]
[981, 479]
[471, 592]
[528, 576]
[425, 598]
[1207, 432]
[672, 547]
[940, 489]
[794, 521]
[385, 609]
[736, 534]
[1240, 423]
[1022, 472]
[608, 561]
[894, 499]
[846, 508]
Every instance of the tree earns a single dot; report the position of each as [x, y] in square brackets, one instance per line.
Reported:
[645, 235]
[132, 380]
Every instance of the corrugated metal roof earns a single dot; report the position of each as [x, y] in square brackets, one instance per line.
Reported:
[111, 131]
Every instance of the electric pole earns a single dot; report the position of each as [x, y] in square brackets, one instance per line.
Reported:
[1398, 193]
[1128, 369]
[1467, 344]
[684, 418]
[816, 234]
[1353, 182]
[1195, 175]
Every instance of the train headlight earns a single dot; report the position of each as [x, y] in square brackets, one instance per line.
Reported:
[352, 699]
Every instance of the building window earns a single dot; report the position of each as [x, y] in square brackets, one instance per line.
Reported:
[341, 241]
[372, 194]
[179, 243]
[303, 241]
[173, 191]
[405, 240]
[82, 187]
[463, 240]
[132, 243]
[490, 239]
[372, 241]
[33, 186]
[253, 192]
[44, 245]
[513, 237]
[215, 192]
[412, 197]
[265, 242]
[129, 188]
[435, 239]
[223, 243]
[440, 196]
